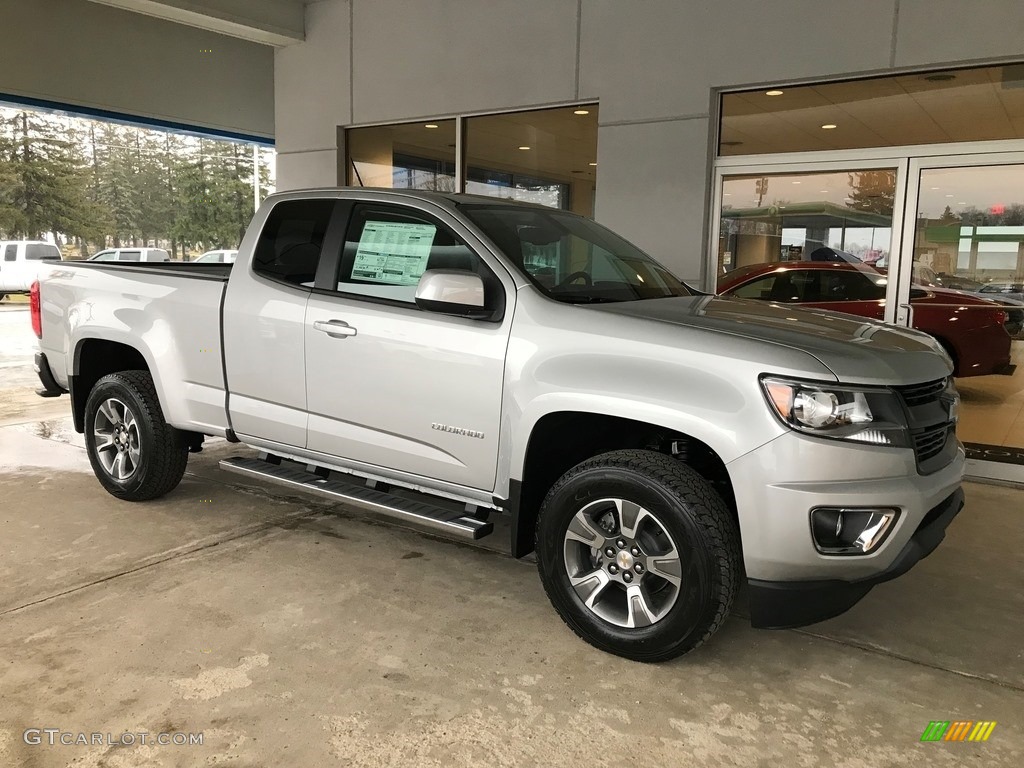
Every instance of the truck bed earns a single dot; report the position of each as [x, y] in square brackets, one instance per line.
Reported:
[169, 312]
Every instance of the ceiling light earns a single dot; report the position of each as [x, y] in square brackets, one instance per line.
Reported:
[961, 203]
[593, 165]
[948, 195]
[430, 125]
[581, 111]
[773, 93]
[933, 188]
[798, 182]
[823, 191]
[727, 194]
[524, 148]
[829, 126]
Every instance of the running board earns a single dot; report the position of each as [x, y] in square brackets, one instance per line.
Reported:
[418, 513]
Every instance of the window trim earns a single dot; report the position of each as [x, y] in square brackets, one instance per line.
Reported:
[328, 272]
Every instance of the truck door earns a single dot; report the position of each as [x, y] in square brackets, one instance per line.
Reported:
[394, 386]
[264, 319]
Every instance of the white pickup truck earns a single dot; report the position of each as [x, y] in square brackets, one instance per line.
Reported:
[451, 361]
[21, 262]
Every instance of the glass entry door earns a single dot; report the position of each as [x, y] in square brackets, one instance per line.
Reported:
[961, 279]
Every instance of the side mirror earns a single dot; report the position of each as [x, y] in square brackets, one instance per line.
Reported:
[452, 292]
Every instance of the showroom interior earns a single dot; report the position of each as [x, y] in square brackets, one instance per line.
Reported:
[880, 142]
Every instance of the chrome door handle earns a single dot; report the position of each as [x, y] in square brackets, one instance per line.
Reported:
[909, 313]
[337, 329]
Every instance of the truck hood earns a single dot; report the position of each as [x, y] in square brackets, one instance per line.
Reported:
[857, 350]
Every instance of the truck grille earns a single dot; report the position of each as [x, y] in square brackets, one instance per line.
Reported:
[919, 394]
[933, 433]
[930, 443]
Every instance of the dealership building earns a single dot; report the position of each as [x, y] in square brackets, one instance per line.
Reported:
[716, 136]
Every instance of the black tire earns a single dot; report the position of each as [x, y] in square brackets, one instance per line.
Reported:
[685, 507]
[162, 449]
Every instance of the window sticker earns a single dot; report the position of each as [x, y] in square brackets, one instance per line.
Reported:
[392, 252]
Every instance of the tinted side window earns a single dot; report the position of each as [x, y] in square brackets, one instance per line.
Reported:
[130, 256]
[388, 250]
[852, 286]
[290, 243]
[756, 289]
[11, 252]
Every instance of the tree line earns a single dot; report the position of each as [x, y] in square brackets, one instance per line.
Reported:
[95, 185]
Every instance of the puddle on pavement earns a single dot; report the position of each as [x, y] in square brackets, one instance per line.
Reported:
[42, 444]
[59, 430]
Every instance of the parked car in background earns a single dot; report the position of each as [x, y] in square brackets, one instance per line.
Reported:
[971, 329]
[996, 291]
[959, 282]
[132, 254]
[20, 261]
[218, 257]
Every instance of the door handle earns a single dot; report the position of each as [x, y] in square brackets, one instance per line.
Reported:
[909, 313]
[337, 329]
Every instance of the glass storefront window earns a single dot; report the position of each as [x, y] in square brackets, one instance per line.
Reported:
[407, 156]
[981, 104]
[968, 258]
[546, 156]
[793, 217]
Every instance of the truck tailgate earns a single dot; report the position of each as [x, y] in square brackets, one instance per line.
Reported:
[170, 313]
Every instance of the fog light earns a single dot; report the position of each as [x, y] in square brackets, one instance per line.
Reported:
[843, 531]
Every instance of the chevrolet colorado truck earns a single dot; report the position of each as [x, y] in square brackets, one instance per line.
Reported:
[468, 365]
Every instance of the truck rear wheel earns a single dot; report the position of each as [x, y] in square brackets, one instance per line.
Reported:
[638, 554]
[135, 454]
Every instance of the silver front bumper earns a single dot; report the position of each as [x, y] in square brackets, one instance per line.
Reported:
[778, 484]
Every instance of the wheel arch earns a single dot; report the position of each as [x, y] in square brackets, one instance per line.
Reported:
[560, 440]
[93, 359]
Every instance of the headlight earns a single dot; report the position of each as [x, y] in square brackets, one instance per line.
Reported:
[864, 415]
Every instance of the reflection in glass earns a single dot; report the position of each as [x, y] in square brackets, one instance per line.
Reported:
[407, 156]
[845, 216]
[969, 258]
[546, 156]
[979, 104]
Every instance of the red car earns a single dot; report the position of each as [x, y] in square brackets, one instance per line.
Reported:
[970, 328]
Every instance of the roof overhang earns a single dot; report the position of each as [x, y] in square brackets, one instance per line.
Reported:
[270, 22]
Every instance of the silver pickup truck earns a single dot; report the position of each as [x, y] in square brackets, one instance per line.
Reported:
[467, 364]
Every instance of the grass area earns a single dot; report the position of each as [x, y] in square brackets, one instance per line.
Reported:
[15, 298]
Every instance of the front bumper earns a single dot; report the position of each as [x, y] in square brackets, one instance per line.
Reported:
[782, 604]
[774, 517]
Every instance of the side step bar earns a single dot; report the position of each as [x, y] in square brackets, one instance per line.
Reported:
[418, 513]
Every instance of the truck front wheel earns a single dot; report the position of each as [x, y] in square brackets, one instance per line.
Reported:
[135, 454]
[638, 554]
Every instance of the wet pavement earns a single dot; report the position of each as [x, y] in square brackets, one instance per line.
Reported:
[290, 631]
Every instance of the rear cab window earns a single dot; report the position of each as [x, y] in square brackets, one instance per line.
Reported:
[290, 244]
[42, 252]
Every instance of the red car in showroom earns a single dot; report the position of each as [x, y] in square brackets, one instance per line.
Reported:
[970, 328]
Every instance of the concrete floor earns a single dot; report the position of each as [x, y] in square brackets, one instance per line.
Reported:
[294, 632]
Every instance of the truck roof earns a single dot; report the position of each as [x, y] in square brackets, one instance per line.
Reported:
[443, 198]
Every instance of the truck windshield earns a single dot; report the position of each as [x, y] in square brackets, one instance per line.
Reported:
[574, 259]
